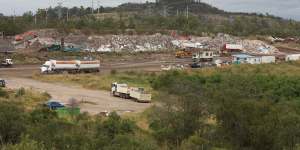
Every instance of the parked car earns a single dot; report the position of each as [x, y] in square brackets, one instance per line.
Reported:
[53, 105]
[195, 65]
[2, 83]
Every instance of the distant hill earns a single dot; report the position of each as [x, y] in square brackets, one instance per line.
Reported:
[172, 7]
[187, 16]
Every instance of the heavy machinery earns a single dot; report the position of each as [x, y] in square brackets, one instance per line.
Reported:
[71, 66]
[6, 63]
[204, 56]
[2, 83]
[126, 92]
[183, 54]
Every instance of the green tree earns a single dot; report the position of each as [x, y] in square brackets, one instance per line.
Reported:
[13, 122]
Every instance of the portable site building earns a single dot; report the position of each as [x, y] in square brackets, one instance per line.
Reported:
[245, 58]
[292, 57]
[254, 60]
[268, 59]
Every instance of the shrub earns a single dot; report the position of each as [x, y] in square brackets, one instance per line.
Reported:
[20, 92]
[12, 122]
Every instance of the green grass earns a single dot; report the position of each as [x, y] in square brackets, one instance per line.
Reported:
[286, 69]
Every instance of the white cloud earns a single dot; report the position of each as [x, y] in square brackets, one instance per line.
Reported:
[286, 8]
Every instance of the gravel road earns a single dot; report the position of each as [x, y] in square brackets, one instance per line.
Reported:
[99, 100]
[19, 76]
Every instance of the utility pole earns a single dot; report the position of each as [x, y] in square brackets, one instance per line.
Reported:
[46, 16]
[98, 7]
[35, 19]
[165, 11]
[92, 6]
[187, 11]
[59, 10]
[14, 17]
[67, 14]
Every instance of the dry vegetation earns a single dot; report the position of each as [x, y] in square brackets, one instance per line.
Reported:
[28, 98]
[103, 81]
[99, 81]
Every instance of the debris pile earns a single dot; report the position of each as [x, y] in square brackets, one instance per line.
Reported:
[132, 43]
[77, 40]
[258, 47]
[218, 42]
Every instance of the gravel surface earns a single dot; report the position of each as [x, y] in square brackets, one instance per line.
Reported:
[98, 101]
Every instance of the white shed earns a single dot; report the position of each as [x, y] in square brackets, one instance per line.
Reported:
[292, 57]
[254, 60]
[268, 59]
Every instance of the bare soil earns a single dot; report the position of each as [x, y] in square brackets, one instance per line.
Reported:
[95, 101]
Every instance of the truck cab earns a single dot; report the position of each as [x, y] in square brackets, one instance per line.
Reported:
[46, 67]
[120, 90]
[7, 62]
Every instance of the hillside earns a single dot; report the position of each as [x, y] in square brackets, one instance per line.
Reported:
[187, 17]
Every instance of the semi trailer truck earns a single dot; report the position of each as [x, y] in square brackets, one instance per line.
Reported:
[71, 66]
[136, 93]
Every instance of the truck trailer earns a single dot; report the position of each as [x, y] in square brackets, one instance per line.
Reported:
[71, 66]
[126, 92]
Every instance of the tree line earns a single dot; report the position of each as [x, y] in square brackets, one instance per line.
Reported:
[150, 18]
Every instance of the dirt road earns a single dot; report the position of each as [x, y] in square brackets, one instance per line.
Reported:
[99, 100]
[19, 75]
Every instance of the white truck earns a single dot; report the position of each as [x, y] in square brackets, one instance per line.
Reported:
[6, 63]
[136, 93]
[71, 66]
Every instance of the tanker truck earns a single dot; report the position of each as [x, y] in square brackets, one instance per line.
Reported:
[70, 66]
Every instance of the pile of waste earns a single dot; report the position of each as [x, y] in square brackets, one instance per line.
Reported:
[132, 43]
[76, 41]
[216, 43]
[258, 47]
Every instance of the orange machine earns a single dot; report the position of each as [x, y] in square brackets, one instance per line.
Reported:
[183, 54]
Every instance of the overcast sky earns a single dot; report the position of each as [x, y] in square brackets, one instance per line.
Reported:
[283, 8]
